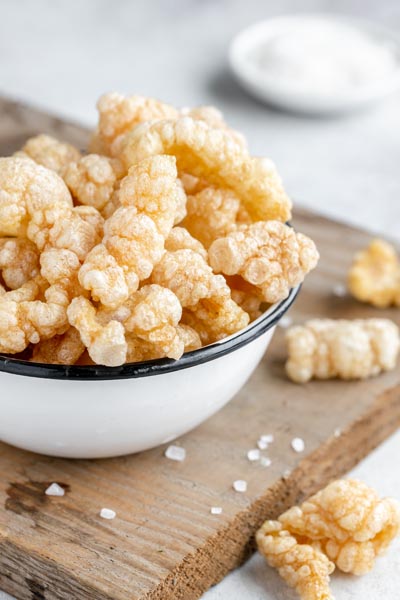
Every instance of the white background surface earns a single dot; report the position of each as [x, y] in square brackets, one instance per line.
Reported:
[63, 55]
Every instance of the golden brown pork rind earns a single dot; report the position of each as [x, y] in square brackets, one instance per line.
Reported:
[327, 348]
[374, 276]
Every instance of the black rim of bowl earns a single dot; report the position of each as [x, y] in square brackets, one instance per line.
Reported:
[153, 367]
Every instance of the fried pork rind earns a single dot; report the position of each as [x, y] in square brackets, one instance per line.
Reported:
[214, 155]
[92, 216]
[346, 524]
[214, 118]
[19, 261]
[191, 184]
[91, 180]
[119, 114]
[189, 336]
[215, 318]
[50, 153]
[269, 255]
[106, 344]
[16, 332]
[63, 349]
[211, 214]
[155, 312]
[152, 186]
[144, 328]
[68, 242]
[375, 275]
[247, 296]
[180, 239]
[134, 236]
[206, 296]
[348, 521]
[301, 565]
[141, 350]
[25, 189]
[187, 274]
[49, 220]
[327, 348]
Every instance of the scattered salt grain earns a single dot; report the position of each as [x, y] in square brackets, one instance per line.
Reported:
[338, 432]
[240, 486]
[265, 461]
[253, 455]
[286, 474]
[216, 510]
[339, 290]
[264, 441]
[297, 444]
[107, 513]
[285, 322]
[175, 453]
[55, 490]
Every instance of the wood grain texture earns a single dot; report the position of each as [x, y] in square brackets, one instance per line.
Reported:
[164, 543]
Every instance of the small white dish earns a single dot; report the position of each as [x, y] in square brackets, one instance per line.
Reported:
[288, 93]
[98, 412]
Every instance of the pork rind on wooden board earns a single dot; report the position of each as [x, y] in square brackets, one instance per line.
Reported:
[374, 276]
[329, 348]
[124, 253]
[346, 524]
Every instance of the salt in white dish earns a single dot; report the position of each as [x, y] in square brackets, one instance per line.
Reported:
[299, 62]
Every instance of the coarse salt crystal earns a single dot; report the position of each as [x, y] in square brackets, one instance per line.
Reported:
[339, 290]
[297, 444]
[262, 445]
[107, 513]
[265, 461]
[265, 440]
[176, 453]
[337, 432]
[267, 437]
[253, 455]
[285, 322]
[286, 473]
[240, 485]
[55, 490]
[216, 510]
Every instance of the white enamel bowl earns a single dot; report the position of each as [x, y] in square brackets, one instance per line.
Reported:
[98, 412]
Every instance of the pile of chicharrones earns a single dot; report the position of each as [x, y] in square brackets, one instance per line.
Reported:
[166, 237]
[346, 525]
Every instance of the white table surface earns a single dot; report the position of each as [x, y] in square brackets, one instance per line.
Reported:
[63, 55]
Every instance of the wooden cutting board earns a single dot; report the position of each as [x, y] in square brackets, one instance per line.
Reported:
[164, 544]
